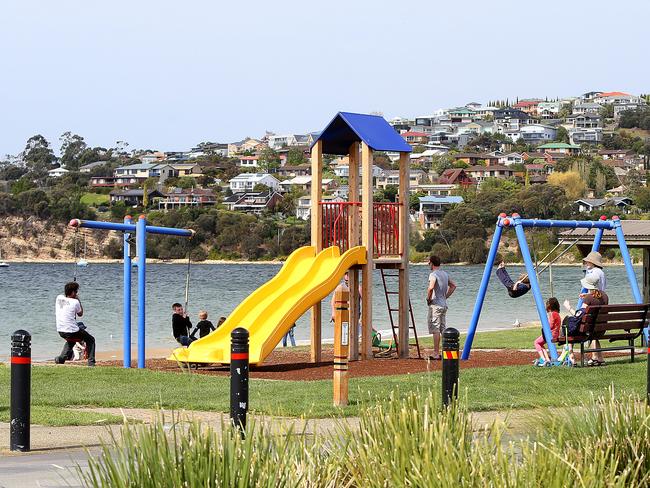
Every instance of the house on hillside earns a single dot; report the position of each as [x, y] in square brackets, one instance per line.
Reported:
[249, 161]
[510, 118]
[537, 133]
[437, 189]
[481, 173]
[585, 136]
[192, 170]
[473, 159]
[510, 159]
[102, 182]
[135, 174]
[88, 168]
[253, 202]
[134, 197]
[246, 145]
[592, 204]
[415, 138]
[587, 120]
[303, 205]
[622, 154]
[293, 171]
[391, 177]
[528, 106]
[57, 172]
[433, 209]
[587, 107]
[457, 177]
[304, 183]
[343, 170]
[245, 182]
[187, 197]
[560, 147]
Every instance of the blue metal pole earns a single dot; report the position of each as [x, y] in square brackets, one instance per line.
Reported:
[537, 292]
[127, 297]
[626, 259]
[151, 229]
[141, 245]
[572, 224]
[480, 298]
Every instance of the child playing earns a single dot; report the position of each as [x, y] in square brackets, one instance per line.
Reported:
[204, 326]
[553, 310]
[515, 288]
[181, 325]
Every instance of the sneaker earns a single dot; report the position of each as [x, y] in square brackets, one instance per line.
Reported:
[58, 360]
[542, 363]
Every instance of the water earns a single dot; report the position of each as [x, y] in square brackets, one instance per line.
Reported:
[29, 291]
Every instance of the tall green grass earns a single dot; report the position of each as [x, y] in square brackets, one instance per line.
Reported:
[404, 442]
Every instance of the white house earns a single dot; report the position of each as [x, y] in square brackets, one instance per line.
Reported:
[591, 204]
[585, 136]
[303, 206]
[511, 158]
[249, 161]
[247, 181]
[343, 170]
[57, 172]
[433, 209]
[87, 168]
[587, 107]
[537, 133]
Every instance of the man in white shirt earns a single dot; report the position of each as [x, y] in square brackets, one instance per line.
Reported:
[67, 309]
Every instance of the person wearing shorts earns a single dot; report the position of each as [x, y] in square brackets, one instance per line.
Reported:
[440, 288]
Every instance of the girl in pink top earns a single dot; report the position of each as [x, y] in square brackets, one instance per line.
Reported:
[553, 310]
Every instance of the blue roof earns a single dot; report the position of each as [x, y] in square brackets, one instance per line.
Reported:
[434, 199]
[346, 128]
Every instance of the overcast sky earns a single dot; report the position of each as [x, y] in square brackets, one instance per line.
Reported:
[169, 74]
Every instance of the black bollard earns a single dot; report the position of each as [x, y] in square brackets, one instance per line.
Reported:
[450, 365]
[239, 378]
[21, 384]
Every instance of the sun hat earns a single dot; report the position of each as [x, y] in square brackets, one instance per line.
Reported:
[590, 282]
[594, 258]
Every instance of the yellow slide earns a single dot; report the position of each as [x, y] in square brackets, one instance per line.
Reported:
[269, 312]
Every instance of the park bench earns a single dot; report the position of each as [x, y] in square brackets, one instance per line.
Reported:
[610, 323]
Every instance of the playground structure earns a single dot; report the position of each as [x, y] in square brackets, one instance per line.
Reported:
[140, 229]
[519, 225]
[358, 234]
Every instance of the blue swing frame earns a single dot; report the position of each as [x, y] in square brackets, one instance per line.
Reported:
[519, 225]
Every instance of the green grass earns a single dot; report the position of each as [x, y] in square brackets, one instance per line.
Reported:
[95, 199]
[486, 389]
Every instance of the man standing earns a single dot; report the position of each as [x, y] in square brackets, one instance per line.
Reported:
[67, 309]
[440, 288]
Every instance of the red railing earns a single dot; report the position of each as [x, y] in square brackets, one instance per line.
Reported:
[385, 224]
[385, 220]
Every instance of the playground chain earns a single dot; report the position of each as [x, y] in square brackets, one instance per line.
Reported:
[295, 365]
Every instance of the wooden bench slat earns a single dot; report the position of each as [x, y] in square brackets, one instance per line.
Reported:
[606, 317]
[618, 307]
[619, 325]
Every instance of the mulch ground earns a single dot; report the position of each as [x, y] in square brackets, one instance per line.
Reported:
[285, 364]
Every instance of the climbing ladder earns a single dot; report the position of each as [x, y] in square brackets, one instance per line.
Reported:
[394, 324]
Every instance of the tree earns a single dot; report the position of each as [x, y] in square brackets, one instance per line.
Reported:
[38, 156]
[72, 146]
[260, 187]
[574, 186]
[607, 111]
[462, 221]
[562, 134]
[642, 198]
[269, 160]
[296, 157]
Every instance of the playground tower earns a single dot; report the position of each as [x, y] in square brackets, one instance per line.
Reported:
[381, 227]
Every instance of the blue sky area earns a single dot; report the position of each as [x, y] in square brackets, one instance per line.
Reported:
[168, 75]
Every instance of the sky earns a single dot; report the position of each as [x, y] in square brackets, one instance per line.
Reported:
[170, 74]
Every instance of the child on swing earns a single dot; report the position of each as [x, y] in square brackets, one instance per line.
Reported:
[553, 311]
[515, 288]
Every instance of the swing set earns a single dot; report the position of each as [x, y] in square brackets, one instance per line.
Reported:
[137, 234]
[520, 224]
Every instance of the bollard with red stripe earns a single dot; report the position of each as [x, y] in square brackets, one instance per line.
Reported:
[450, 365]
[239, 377]
[21, 379]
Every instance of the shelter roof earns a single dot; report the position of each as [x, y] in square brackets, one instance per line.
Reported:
[346, 128]
[637, 235]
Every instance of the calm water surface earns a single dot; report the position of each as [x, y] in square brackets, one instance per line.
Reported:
[29, 291]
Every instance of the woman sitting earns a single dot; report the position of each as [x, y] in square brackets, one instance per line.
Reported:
[593, 297]
[515, 288]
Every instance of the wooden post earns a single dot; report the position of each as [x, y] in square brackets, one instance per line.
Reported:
[646, 275]
[316, 241]
[404, 228]
[341, 322]
[353, 274]
[367, 241]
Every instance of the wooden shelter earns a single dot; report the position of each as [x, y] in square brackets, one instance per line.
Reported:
[382, 228]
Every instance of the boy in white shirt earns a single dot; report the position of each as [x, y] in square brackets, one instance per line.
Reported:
[67, 309]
